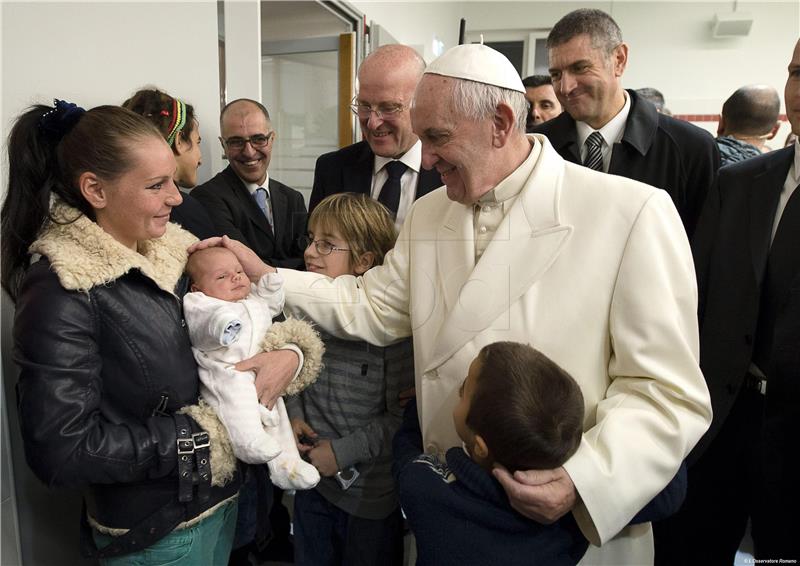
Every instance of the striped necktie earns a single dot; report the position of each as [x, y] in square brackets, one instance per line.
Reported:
[594, 153]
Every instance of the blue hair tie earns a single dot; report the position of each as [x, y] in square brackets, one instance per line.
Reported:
[57, 122]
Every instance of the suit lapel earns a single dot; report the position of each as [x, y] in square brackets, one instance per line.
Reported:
[357, 174]
[429, 179]
[455, 252]
[279, 208]
[765, 191]
[562, 133]
[526, 244]
[250, 206]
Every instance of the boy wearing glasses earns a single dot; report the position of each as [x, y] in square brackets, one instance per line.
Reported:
[243, 201]
[345, 421]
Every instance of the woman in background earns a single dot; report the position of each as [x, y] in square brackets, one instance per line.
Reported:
[178, 125]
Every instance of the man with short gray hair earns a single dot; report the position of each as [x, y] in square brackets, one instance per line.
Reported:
[594, 270]
[610, 129]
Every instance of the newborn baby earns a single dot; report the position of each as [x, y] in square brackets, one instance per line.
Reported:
[228, 320]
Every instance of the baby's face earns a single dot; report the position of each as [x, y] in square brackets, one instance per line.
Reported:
[219, 274]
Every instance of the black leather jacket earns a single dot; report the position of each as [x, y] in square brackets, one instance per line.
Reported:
[102, 372]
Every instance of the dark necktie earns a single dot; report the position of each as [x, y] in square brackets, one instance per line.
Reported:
[390, 192]
[594, 153]
[263, 203]
[782, 268]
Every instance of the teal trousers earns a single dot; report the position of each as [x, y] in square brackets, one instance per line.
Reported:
[208, 543]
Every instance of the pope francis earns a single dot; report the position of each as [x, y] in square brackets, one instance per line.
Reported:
[592, 269]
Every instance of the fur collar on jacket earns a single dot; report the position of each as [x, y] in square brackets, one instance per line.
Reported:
[83, 255]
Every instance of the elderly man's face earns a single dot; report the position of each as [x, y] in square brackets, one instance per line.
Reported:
[586, 80]
[544, 104]
[385, 89]
[792, 91]
[456, 147]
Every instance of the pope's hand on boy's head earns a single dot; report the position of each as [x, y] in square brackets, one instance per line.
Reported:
[274, 371]
[252, 264]
[542, 495]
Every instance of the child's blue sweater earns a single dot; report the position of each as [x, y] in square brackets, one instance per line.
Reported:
[460, 514]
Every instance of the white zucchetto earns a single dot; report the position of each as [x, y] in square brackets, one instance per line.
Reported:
[479, 63]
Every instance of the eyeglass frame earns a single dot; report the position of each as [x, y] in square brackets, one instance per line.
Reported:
[306, 241]
[226, 142]
[379, 114]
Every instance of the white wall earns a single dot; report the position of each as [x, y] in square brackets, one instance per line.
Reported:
[94, 53]
[90, 53]
[416, 23]
[671, 44]
[671, 47]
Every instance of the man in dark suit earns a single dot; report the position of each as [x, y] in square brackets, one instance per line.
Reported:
[610, 129]
[387, 164]
[243, 201]
[748, 266]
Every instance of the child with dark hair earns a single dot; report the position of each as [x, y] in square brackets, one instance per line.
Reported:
[517, 409]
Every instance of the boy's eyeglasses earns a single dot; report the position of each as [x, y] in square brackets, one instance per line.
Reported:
[257, 141]
[323, 247]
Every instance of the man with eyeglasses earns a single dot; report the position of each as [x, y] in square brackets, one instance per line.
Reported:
[243, 201]
[610, 129]
[387, 163]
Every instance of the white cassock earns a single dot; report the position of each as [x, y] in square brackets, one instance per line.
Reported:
[592, 269]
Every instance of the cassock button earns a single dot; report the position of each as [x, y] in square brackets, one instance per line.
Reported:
[433, 374]
[483, 229]
[431, 448]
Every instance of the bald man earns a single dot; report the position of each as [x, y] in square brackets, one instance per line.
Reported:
[749, 118]
[242, 200]
[387, 164]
